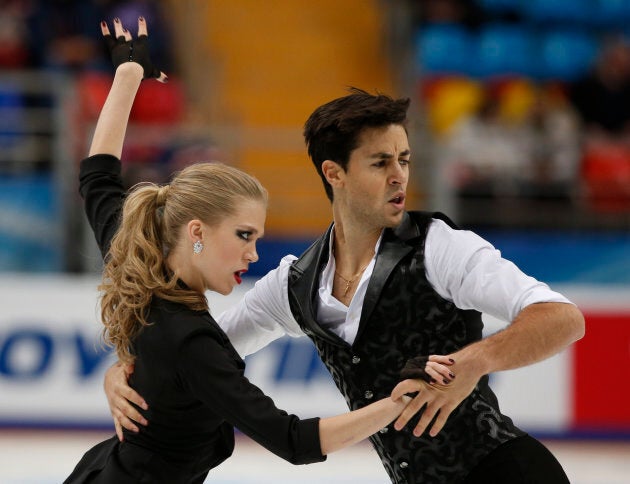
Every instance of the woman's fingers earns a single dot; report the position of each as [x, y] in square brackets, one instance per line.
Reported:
[142, 27]
[118, 28]
[438, 367]
[440, 373]
[443, 359]
[105, 28]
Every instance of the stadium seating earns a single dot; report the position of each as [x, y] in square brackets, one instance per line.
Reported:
[606, 177]
[154, 103]
[553, 13]
[504, 49]
[566, 54]
[445, 49]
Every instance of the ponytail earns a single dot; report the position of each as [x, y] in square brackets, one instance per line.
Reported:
[152, 218]
[135, 270]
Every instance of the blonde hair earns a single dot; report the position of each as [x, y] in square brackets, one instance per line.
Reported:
[152, 216]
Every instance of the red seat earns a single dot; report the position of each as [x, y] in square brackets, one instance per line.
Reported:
[154, 103]
[159, 103]
[606, 175]
[92, 90]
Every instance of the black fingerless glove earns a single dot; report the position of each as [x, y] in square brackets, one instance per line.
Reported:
[415, 369]
[135, 50]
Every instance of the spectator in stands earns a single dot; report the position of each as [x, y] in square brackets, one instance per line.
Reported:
[65, 37]
[602, 98]
[522, 141]
[15, 38]
[550, 138]
[461, 12]
[480, 155]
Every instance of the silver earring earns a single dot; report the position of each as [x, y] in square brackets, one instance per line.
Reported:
[198, 247]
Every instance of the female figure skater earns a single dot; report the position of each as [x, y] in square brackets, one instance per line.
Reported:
[171, 244]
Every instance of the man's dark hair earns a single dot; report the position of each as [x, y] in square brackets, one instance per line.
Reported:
[333, 130]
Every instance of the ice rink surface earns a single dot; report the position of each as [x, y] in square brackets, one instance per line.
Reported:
[35, 457]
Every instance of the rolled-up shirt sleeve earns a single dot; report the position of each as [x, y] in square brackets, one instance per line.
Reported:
[469, 271]
[263, 314]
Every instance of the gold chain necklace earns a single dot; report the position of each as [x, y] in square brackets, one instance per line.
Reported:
[350, 281]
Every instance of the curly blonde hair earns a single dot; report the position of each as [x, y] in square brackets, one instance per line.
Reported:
[135, 267]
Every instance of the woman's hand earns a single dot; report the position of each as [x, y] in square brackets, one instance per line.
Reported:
[431, 369]
[123, 48]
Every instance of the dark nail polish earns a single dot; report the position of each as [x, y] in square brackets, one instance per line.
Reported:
[117, 20]
[451, 360]
[141, 18]
[451, 375]
[445, 381]
[433, 381]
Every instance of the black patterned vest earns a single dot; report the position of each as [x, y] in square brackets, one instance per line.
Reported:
[403, 317]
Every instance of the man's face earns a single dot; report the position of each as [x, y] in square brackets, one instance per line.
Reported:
[375, 183]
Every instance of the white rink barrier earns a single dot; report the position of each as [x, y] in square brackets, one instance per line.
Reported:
[52, 363]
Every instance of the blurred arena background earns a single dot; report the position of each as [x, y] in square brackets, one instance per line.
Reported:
[520, 131]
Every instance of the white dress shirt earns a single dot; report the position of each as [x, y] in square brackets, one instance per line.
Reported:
[460, 266]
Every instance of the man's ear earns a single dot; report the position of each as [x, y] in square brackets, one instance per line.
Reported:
[333, 172]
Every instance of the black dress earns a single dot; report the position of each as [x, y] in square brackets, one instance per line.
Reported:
[192, 379]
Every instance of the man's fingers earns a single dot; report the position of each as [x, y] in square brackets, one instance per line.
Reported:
[128, 416]
[410, 410]
[405, 386]
[123, 410]
[119, 431]
[130, 394]
[428, 415]
[128, 368]
[130, 413]
[440, 421]
[127, 423]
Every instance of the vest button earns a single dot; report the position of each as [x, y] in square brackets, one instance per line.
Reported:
[403, 465]
[356, 360]
[384, 430]
[368, 394]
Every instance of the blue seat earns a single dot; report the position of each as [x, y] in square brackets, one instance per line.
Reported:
[11, 114]
[566, 54]
[559, 12]
[500, 7]
[443, 49]
[504, 49]
[611, 14]
[28, 201]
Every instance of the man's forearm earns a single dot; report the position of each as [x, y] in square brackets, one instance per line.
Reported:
[538, 332]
